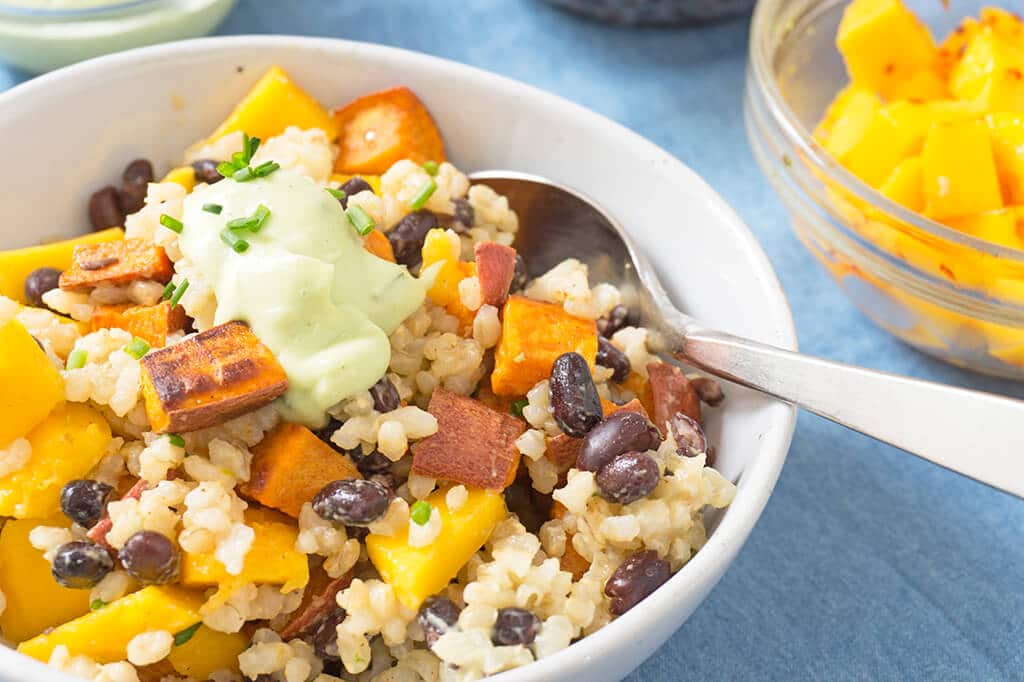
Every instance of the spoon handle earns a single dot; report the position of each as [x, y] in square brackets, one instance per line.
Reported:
[977, 434]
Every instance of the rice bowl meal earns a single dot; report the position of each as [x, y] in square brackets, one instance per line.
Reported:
[296, 411]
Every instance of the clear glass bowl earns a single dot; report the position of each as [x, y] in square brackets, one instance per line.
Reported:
[950, 294]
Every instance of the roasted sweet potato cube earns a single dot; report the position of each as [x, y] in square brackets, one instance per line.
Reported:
[377, 243]
[671, 392]
[495, 268]
[113, 263]
[564, 449]
[533, 335]
[291, 465]
[210, 378]
[152, 323]
[474, 445]
[318, 600]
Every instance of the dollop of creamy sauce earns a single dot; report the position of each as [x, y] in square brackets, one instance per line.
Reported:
[306, 286]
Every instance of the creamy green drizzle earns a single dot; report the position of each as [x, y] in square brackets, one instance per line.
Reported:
[310, 292]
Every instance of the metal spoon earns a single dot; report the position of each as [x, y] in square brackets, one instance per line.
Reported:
[976, 434]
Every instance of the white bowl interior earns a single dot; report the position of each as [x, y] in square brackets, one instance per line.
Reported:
[70, 132]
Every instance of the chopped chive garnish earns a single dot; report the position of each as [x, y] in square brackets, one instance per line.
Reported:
[179, 292]
[232, 239]
[226, 169]
[429, 187]
[252, 144]
[137, 348]
[168, 291]
[247, 223]
[420, 512]
[239, 160]
[96, 604]
[77, 358]
[360, 220]
[260, 216]
[265, 169]
[185, 634]
[242, 175]
[430, 167]
[213, 208]
[336, 193]
[171, 223]
[176, 440]
[516, 408]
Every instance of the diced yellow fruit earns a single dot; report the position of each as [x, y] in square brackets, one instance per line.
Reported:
[991, 72]
[921, 86]
[274, 103]
[30, 386]
[904, 184]
[35, 601]
[103, 635]
[847, 119]
[1007, 131]
[439, 247]
[883, 44]
[183, 175]
[372, 180]
[915, 119]
[272, 560]
[206, 652]
[18, 264]
[883, 143]
[959, 170]
[998, 227]
[65, 446]
[840, 103]
[416, 573]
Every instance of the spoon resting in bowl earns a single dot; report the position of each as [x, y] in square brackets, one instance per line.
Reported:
[557, 222]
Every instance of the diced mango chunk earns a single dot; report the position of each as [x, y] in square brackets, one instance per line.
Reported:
[18, 264]
[66, 445]
[27, 584]
[416, 573]
[959, 170]
[883, 44]
[272, 560]
[274, 103]
[533, 335]
[869, 142]
[30, 386]
[905, 185]
[442, 247]
[103, 635]
[991, 73]
[1007, 131]
[998, 227]
[206, 652]
[183, 175]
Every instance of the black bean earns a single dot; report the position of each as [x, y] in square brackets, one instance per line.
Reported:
[325, 635]
[373, 463]
[137, 175]
[621, 431]
[616, 319]
[385, 395]
[628, 477]
[206, 171]
[634, 579]
[353, 186]
[39, 282]
[105, 209]
[327, 431]
[80, 565]
[150, 557]
[688, 434]
[356, 502]
[388, 480]
[614, 359]
[575, 403]
[514, 626]
[357, 532]
[519, 275]
[437, 615]
[463, 217]
[407, 237]
[708, 390]
[83, 500]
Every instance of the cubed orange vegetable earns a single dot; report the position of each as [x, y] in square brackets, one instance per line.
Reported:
[383, 127]
[533, 335]
[377, 243]
[291, 465]
[114, 263]
[152, 323]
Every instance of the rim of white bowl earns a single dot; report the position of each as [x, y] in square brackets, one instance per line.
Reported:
[757, 481]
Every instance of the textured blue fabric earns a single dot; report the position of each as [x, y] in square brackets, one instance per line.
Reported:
[867, 563]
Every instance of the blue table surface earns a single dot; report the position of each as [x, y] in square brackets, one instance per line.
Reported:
[867, 563]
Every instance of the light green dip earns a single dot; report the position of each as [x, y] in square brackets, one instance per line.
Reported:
[306, 286]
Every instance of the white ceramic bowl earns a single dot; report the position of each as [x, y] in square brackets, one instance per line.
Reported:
[69, 132]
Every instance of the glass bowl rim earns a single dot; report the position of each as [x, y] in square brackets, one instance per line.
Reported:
[71, 13]
[761, 55]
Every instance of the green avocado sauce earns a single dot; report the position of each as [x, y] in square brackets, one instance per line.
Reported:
[306, 286]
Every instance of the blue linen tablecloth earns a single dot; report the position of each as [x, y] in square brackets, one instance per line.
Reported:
[868, 563]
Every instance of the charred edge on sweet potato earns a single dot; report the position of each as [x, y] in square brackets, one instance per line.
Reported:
[116, 263]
